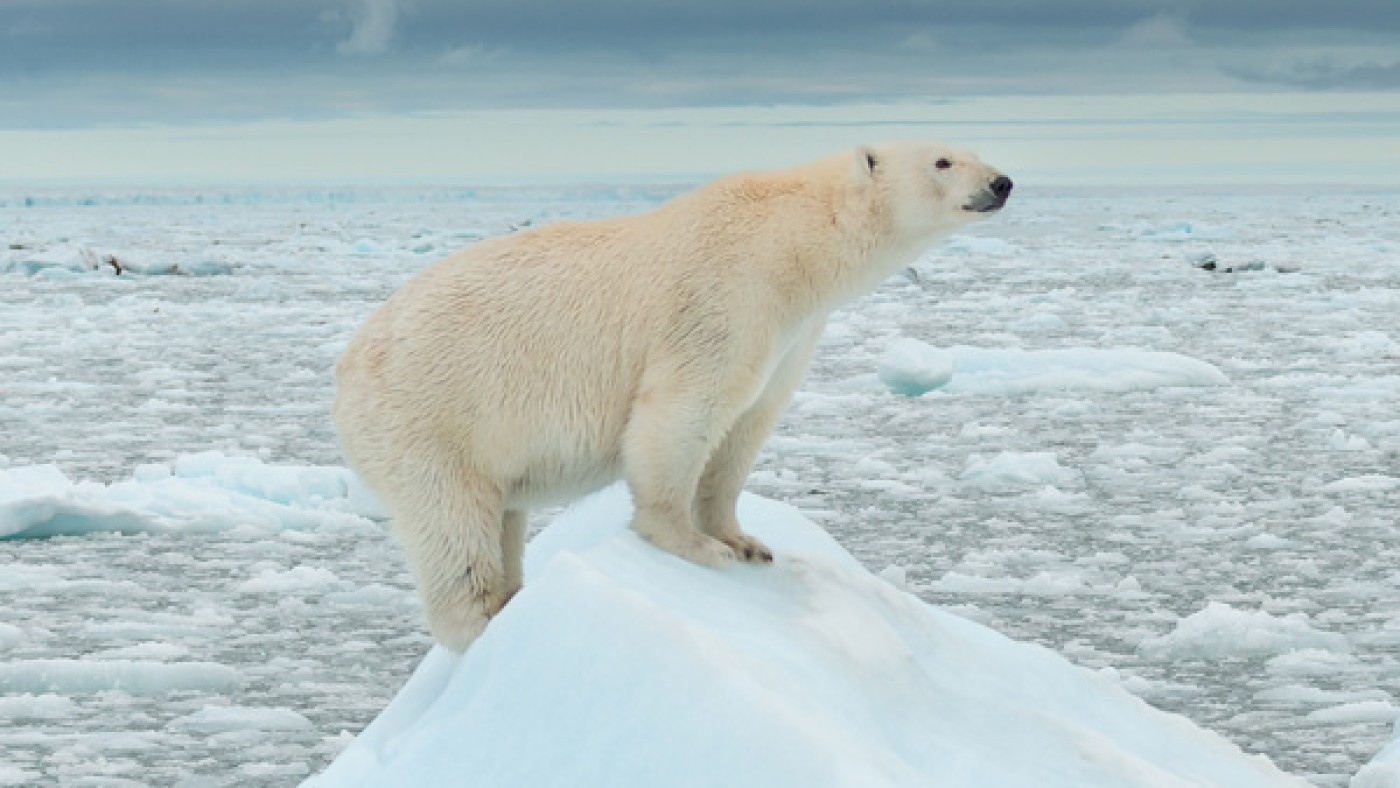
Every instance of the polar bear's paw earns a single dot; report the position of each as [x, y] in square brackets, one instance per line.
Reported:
[695, 547]
[747, 548]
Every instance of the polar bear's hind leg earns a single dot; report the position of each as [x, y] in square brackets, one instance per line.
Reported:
[454, 540]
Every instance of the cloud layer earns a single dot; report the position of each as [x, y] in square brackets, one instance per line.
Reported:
[75, 63]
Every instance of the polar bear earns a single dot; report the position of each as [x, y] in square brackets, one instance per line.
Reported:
[537, 367]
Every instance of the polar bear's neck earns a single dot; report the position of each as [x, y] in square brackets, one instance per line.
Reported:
[866, 248]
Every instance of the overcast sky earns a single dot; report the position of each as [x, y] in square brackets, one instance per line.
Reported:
[83, 82]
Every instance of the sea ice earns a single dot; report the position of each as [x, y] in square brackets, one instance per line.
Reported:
[270, 580]
[10, 636]
[1221, 631]
[202, 492]
[36, 707]
[622, 665]
[135, 677]
[222, 719]
[913, 367]
[1018, 469]
[100, 374]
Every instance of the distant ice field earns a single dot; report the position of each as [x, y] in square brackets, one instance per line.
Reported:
[1218, 530]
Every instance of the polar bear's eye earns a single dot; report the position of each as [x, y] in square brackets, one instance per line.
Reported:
[943, 164]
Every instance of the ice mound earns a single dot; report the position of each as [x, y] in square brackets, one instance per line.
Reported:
[620, 665]
[911, 368]
[1220, 631]
[908, 363]
[201, 492]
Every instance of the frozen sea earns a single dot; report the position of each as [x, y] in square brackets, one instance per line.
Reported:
[1228, 549]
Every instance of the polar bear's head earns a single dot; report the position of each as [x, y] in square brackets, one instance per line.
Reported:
[929, 189]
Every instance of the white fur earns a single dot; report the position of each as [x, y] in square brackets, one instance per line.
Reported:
[661, 347]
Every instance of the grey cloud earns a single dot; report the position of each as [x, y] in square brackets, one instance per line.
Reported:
[83, 62]
[1327, 74]
[374, 22]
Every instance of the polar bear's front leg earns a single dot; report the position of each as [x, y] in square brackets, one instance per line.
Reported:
[668, 440]
[728, 468]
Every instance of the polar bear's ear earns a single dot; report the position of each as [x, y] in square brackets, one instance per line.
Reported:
[871, 160]
[867, 161]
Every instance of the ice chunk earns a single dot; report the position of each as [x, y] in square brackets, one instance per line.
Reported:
[639, 668]
[1005, 371]
[10, 636]
[912, 368]
[203, 492]
[1360, 711]
[979, 246]
[1310, 662]
[148, 263]
[296, 579]
[1267, 542]
[1369, 483]
[13, 775]
[73, 676]
[36, 707]
[222, 719]
[1047, 583]
[1220, 631]
[1368, 344]
[1017, 469]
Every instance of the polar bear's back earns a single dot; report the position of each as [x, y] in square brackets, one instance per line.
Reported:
[515, 349]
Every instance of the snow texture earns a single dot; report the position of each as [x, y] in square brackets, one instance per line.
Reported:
[622, 665]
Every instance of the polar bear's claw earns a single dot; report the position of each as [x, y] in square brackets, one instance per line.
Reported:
[749, 549]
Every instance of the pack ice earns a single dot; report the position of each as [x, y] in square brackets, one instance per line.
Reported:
[620, 665]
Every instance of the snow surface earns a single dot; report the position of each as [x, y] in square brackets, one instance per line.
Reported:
[620, 665]
[1273, 491]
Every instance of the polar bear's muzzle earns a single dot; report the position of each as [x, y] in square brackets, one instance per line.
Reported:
[991, 198]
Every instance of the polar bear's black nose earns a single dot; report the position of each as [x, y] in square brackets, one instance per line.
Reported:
[1001, 187]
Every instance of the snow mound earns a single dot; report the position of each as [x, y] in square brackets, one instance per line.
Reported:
[1220, 631]
[992, 371]
[622, 665]
[200, 492]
